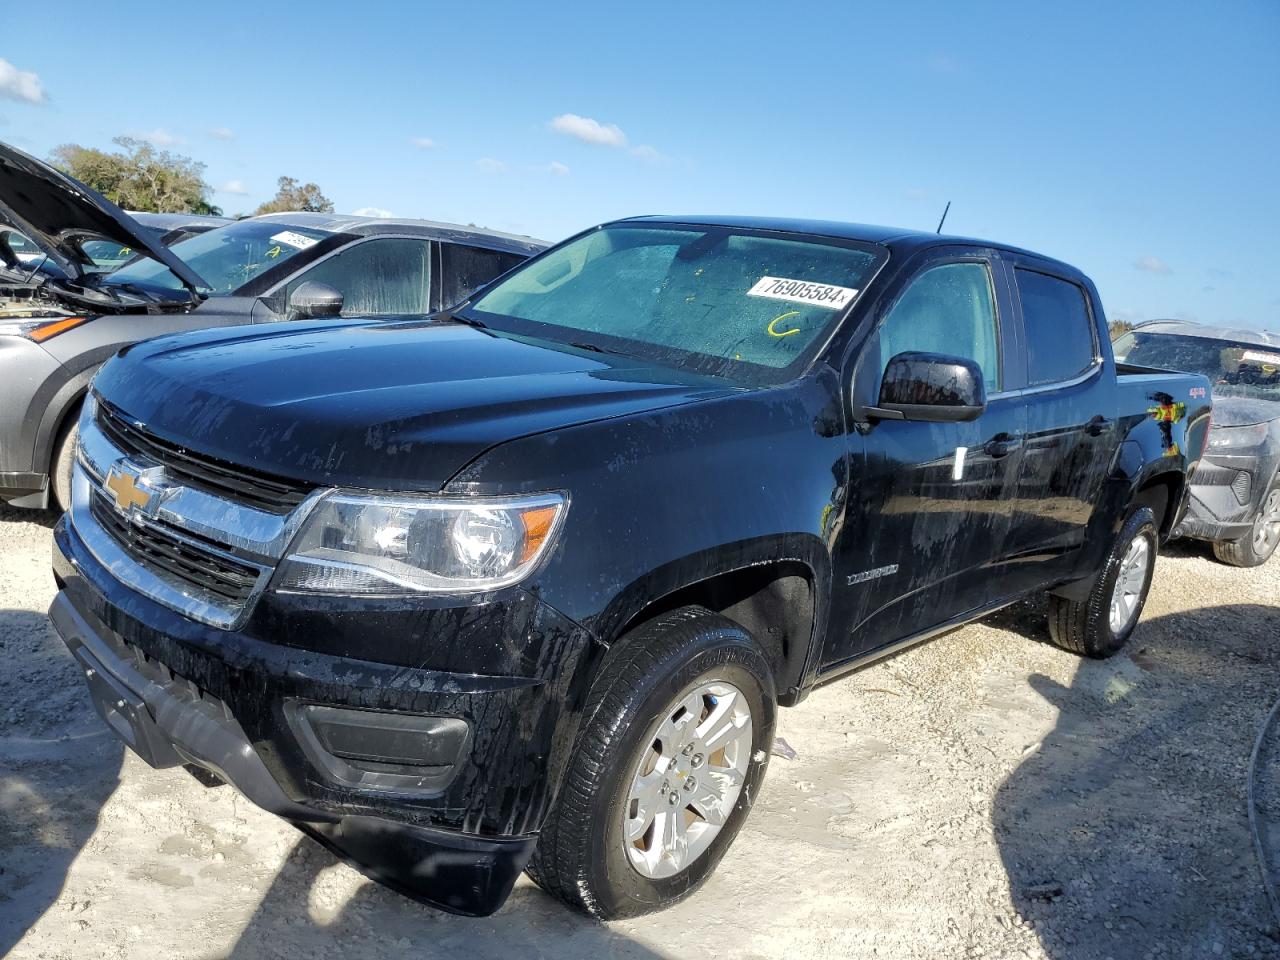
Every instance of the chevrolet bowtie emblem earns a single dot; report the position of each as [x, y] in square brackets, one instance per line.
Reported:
[126, 491]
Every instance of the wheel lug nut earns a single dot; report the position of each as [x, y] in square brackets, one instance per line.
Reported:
[697, 759]
[687, 750]
[690, 783]
[673, 798]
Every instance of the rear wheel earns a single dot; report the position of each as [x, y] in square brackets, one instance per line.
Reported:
[1256, 547]
[673, 746]
[1099, 625]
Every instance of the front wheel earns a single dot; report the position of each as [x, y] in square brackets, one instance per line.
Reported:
[673, 746]
[1256, 547]
[1099, 625]
[64, 459]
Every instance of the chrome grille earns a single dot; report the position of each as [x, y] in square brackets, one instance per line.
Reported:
[260, 491]
[206, 538]
[176, 556]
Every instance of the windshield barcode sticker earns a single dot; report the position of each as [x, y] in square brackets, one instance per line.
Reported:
[801, 291]
[1257, 356]
[293, 239]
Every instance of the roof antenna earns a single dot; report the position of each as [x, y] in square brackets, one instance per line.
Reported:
[944, 217]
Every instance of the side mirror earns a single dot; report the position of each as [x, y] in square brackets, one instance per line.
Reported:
[931, 387]
[314, 299]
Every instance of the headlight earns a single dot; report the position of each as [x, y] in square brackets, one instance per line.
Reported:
[1231, 438]
[369, 544]
[39, 330]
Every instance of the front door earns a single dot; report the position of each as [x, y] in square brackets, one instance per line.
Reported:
[929, 503]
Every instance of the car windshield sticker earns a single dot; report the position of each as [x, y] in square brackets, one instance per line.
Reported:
[1257, 356]
[801, 291]
[296, 240]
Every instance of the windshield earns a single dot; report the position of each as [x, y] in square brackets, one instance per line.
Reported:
[726, 301]
[226, 258]
[109, 255]
[1236, 369]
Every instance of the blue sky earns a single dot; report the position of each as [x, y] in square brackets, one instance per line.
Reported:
[1138, 141]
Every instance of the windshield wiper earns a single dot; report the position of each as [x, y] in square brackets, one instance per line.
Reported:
[595, 348]
[444, 317]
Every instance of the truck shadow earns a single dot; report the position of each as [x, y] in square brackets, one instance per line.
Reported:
[44, 518]
[1126, 830]
[377, 922]
[58, 766]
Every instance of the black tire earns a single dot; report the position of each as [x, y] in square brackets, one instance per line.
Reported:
[1255, 548]
[1084, 626]
[581, 857]
[64, 457]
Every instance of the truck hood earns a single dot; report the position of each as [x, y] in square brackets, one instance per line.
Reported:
[391, 405]
[57, 212]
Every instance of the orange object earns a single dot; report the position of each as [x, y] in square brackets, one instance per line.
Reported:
[47, 331]
[537, 527]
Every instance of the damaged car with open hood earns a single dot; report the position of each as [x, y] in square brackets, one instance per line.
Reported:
[522, 584]
[62, 314]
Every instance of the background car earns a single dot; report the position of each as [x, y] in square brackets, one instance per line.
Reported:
[170, 228]
[1235, 491]
[60, 322]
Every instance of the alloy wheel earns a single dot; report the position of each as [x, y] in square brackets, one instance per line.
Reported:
[1126, 595]
[688, 779]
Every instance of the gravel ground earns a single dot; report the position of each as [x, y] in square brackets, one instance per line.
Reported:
[984, 795]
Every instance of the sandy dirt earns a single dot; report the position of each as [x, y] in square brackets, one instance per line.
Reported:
[984, 795]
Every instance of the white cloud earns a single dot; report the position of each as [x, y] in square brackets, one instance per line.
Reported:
[22, 85]
[159, 138]
[1151, 264]
[372, 212]
[491, 165]
[423, 143]
[222, 133]
[235, 187]
[916, 193]
[589, 131]
[652, 154]
[557, 168]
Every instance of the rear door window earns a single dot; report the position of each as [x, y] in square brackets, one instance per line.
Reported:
[1060, 334]
[465, 269]
[384, 276]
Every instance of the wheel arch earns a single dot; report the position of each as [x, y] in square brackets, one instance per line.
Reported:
[775, 592]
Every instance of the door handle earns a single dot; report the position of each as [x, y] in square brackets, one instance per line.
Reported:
[1098, 426]
[1001, 445]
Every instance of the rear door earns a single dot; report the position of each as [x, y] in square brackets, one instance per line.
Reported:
[930, 503]
[1071, 431]
[465, 269]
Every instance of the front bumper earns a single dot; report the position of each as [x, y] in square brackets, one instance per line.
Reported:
[1224, 496]
[176, 692]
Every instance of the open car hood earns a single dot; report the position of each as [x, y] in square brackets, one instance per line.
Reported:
[57, 212]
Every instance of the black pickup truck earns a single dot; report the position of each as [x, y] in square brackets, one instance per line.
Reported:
[521, 585]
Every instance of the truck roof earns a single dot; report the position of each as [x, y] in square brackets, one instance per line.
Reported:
[897, 239]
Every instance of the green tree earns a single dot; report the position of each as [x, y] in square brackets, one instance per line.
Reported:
[139, 176]
[291, 196]
[1116, 327]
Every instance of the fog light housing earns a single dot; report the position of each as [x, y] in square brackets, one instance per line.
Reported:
[381, 750]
